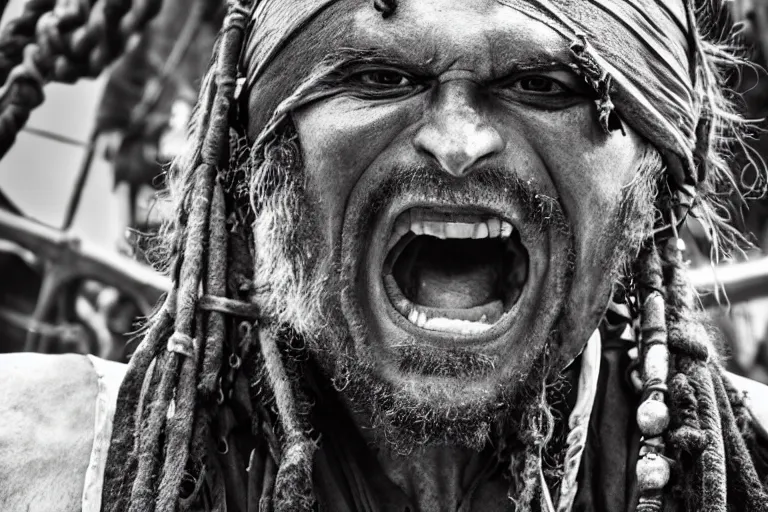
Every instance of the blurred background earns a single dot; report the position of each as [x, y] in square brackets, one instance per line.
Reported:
[80, 182]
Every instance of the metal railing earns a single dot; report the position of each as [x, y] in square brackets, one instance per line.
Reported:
[79, 258]
[731, 282]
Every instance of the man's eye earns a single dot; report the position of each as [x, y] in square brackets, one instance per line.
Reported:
[549, 90]
[380, 83]
[383, 78]
[539, 85]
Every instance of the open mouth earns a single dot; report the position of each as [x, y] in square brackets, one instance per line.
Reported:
[454, 272]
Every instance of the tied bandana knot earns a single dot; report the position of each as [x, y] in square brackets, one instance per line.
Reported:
[599, 80]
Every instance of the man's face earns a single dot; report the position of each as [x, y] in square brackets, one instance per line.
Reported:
[466, 196]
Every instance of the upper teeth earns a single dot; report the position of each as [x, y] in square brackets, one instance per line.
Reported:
[414, 222]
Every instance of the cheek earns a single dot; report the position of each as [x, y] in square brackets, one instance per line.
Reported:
[590, 171]
[339, 140]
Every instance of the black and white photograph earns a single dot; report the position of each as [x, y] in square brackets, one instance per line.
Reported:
[383, 256]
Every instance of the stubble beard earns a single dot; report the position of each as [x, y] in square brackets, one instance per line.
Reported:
[299, 287]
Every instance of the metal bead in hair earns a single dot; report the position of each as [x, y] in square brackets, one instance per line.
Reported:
[385, 7]
[653, 469]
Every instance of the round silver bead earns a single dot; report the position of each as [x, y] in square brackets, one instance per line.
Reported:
[652, 417]
[652, 472]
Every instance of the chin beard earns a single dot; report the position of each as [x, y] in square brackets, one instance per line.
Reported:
[403, 421]
[299, 288]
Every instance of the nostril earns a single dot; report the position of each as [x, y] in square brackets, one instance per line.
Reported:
[459, 149]
[456, 163]
[486, 142]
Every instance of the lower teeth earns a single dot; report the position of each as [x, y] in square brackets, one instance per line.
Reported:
[451, 325]
[475, 320]
[455, 326]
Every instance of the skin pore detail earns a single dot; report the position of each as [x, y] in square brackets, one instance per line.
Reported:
[485, 123]
[351, 143]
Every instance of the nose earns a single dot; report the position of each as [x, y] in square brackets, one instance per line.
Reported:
[456, 133]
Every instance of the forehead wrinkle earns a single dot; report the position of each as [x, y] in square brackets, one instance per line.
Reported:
[511, 44]
[401, 43]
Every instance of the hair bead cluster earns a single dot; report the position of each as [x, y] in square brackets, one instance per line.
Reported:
[652, 416]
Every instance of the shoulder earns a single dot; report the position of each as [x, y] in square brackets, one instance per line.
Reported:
[755, 396]
[48, 410]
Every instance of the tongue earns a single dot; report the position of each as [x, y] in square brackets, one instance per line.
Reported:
[438, 290]
[454, 275]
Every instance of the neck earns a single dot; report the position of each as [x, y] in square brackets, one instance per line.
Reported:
[437, 478]
[434, 478]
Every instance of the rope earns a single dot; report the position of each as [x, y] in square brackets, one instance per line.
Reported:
[71, 39]
[19, 33]
[153, 90]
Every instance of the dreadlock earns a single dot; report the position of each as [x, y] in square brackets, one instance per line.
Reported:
[525, 469]
[688, 416]
[694, 423]
[705, 440]
[154, 448]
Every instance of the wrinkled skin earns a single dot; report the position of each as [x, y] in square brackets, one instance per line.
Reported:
[456, 99]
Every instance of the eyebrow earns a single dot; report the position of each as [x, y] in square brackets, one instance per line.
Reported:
[375, 55]
[538, 64]
[394, 56]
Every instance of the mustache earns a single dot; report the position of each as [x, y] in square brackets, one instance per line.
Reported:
[487, 185]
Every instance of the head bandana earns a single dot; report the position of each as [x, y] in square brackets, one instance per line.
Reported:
[643, 54]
